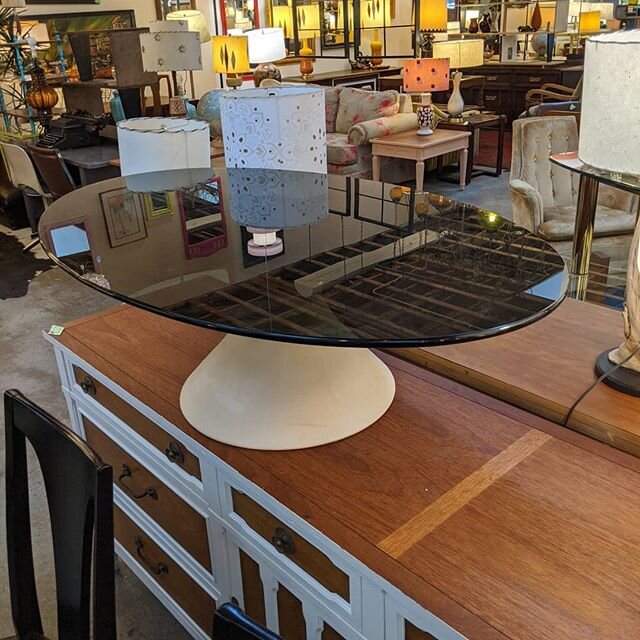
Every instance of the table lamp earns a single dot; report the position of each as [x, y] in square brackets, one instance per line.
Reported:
[431, 17]
[375, 14]
[609, 142]
[265, 47]
[277, 128]
[160, 154]
[169, 46]
[231, 57]
[424, 76]
[308, 17]
[195, 22]
[462, 54]
[589, 22]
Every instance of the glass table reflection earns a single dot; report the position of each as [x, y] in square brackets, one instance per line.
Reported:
[305, 262]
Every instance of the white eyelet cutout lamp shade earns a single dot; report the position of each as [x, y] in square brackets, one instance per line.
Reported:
[461, 53]
[276, 128]
[266, 45]
[610, 122]
[195, 22]
[171, 51]
[272, 199]
[150, 147]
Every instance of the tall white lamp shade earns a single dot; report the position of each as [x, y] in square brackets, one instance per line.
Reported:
[195, 22]
[266, 46]
[609, 121]
[153, 150]
[276, 128]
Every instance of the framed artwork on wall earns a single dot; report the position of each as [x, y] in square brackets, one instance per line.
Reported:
[160, 204]
[123, 216]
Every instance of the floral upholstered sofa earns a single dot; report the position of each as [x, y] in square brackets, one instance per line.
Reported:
[354, 117]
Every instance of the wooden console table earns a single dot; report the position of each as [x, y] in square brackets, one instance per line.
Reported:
[360, 79]
[454, 516]
[544, 368]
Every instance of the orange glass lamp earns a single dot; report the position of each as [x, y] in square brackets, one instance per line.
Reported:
[308, 18]
[424, 76]
[589, 22]
[376, 15]
[231, 57]
[431, 17]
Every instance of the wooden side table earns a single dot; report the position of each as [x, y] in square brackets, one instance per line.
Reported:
[472, 125]
[410, 146]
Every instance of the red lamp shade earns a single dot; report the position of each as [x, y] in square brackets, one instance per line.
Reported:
[425, 75]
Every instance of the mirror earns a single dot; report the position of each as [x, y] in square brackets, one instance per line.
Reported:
[163, 7]
[332, 26]
[203, 225]
[71, 241]
[239, 14]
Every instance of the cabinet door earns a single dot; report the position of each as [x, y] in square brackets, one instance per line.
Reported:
[266, 594]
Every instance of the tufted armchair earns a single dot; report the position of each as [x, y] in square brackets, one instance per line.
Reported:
[544, 195]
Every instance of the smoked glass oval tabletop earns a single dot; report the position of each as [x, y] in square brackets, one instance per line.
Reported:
[306, 258]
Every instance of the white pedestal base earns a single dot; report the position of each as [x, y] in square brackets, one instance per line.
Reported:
[261, 394]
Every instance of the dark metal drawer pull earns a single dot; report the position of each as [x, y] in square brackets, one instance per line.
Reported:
[88, 386]
[283, 541]
[127, 473]
[535, 79]
[156, 569]
[174, 452]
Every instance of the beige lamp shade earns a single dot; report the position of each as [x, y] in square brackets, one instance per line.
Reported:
[158, 26]
[266, 45]
[461, 53]
[375, 14]
[282, 18]
[589, 22]
[151, 147]
[425, 75]
[609, 123]
[14, 4]
[433, 15]
[195, 22]
[230, 54]
[171, 51]
[308, 20]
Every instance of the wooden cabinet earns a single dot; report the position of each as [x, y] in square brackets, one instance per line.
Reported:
[506, 85]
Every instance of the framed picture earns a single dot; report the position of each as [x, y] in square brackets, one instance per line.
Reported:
[122, 212]
[157, 205]
[203, 224]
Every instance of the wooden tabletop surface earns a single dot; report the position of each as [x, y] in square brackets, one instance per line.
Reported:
[545, 367]
[501, 523]
[413, 140]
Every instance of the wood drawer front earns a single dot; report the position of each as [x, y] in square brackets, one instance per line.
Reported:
[295, 547]
[176, 582]
[411, 632]
[534, 79]
[172, 513]
[160, 439]
[494, 99]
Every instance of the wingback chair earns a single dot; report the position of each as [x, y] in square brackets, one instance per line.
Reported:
[544, 195]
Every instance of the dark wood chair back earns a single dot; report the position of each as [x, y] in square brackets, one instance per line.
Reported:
[80, 499]
[230, 623]
[53, 170]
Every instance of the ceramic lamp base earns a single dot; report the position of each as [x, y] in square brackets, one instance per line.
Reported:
[426, 131]
[264, 71]
[177, 106]
[262, 394]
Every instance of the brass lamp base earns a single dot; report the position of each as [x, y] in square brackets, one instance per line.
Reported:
[456, 119]
[234, 81]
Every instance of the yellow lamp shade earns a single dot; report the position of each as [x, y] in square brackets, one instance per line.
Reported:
[425, 75]
[461, 53]
[282, 18]
[589, 21]
[375, 14]
[230, 54]
[308, 20]
[433, 15]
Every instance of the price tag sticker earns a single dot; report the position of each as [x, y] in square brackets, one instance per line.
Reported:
[56, 330]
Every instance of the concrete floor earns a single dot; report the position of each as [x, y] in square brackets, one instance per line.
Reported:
[27, 364]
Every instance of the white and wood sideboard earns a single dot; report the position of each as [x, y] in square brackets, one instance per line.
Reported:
[454, 516]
